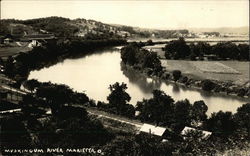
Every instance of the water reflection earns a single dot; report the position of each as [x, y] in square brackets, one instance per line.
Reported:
[176, 89]
[145, 84]
[94, 73]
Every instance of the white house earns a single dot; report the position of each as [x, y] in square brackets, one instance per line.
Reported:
[155, 130]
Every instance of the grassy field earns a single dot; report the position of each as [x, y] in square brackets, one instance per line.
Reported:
[13, 49]
[235, 71]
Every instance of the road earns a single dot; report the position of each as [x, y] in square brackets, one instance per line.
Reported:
[13, 89]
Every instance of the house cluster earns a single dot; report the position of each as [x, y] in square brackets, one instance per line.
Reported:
[161, 131]
[208, 34]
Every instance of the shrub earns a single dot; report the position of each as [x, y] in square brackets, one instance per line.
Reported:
[176, 74]
[207, 85]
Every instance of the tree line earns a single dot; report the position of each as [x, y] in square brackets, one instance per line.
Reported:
[179, 49]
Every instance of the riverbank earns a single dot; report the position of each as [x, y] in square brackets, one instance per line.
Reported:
[191, 86]
[18, 67]
[132, 56]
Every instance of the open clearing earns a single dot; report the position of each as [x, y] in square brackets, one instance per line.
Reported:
[236, 71]
[15, 48]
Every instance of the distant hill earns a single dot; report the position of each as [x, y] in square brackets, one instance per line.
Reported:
[61, 27]
[223, 30]
[64, 27]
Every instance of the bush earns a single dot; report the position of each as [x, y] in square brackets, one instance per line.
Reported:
[176, 74]
[184, 79]
[207, 85]
[241, 92]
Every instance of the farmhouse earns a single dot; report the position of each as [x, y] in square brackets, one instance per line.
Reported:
[151, 129]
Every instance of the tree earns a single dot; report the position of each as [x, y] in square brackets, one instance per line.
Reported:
[176, 74]
[72, 132]
[55, 95]
[119, 98]
[142, 144]
[244, 52]
[128, 54]
[151, 61]
[199, 110]
[158, 110]
[9, 67]
[31, 84]
[242, 117]
[120, 146]
[177, 49]
[149, 42]
[226, 50]
[30, 106]
[207, 85]
[182, 111]
[221, 124]
[14, 135]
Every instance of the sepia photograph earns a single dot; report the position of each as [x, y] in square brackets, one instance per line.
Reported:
[124, 78]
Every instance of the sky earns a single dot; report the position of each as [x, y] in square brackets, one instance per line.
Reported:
[146, 14]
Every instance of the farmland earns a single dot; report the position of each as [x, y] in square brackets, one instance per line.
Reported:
[235, 71]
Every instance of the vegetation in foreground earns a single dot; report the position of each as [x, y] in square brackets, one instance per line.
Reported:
[71, 126]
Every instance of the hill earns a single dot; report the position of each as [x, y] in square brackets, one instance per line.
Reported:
[64, 27]
[223, 30]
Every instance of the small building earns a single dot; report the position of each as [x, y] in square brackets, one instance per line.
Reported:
[151, 129]
[7, 40]
[186, 130]
[34, 43]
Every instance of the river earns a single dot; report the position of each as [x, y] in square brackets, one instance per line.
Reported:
[94, 73]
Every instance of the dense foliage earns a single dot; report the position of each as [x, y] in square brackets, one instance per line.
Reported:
[55, 95]
[118, 101]
[58, 25]
[179, 49]
[162, 110]
[140, 58]
[71, 126]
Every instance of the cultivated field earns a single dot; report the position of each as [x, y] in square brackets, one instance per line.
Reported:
[235, 71]
[13, 49]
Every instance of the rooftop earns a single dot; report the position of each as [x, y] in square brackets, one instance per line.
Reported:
[187, 129]
[155, 130]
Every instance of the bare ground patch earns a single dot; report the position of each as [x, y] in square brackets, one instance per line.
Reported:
[188, 68]
[214, 67]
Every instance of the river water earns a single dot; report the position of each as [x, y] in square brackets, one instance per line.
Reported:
[94, 73]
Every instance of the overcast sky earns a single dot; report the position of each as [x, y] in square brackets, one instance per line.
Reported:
[147, 14]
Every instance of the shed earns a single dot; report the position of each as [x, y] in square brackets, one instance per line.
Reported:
[186, 129]
[155, 130]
